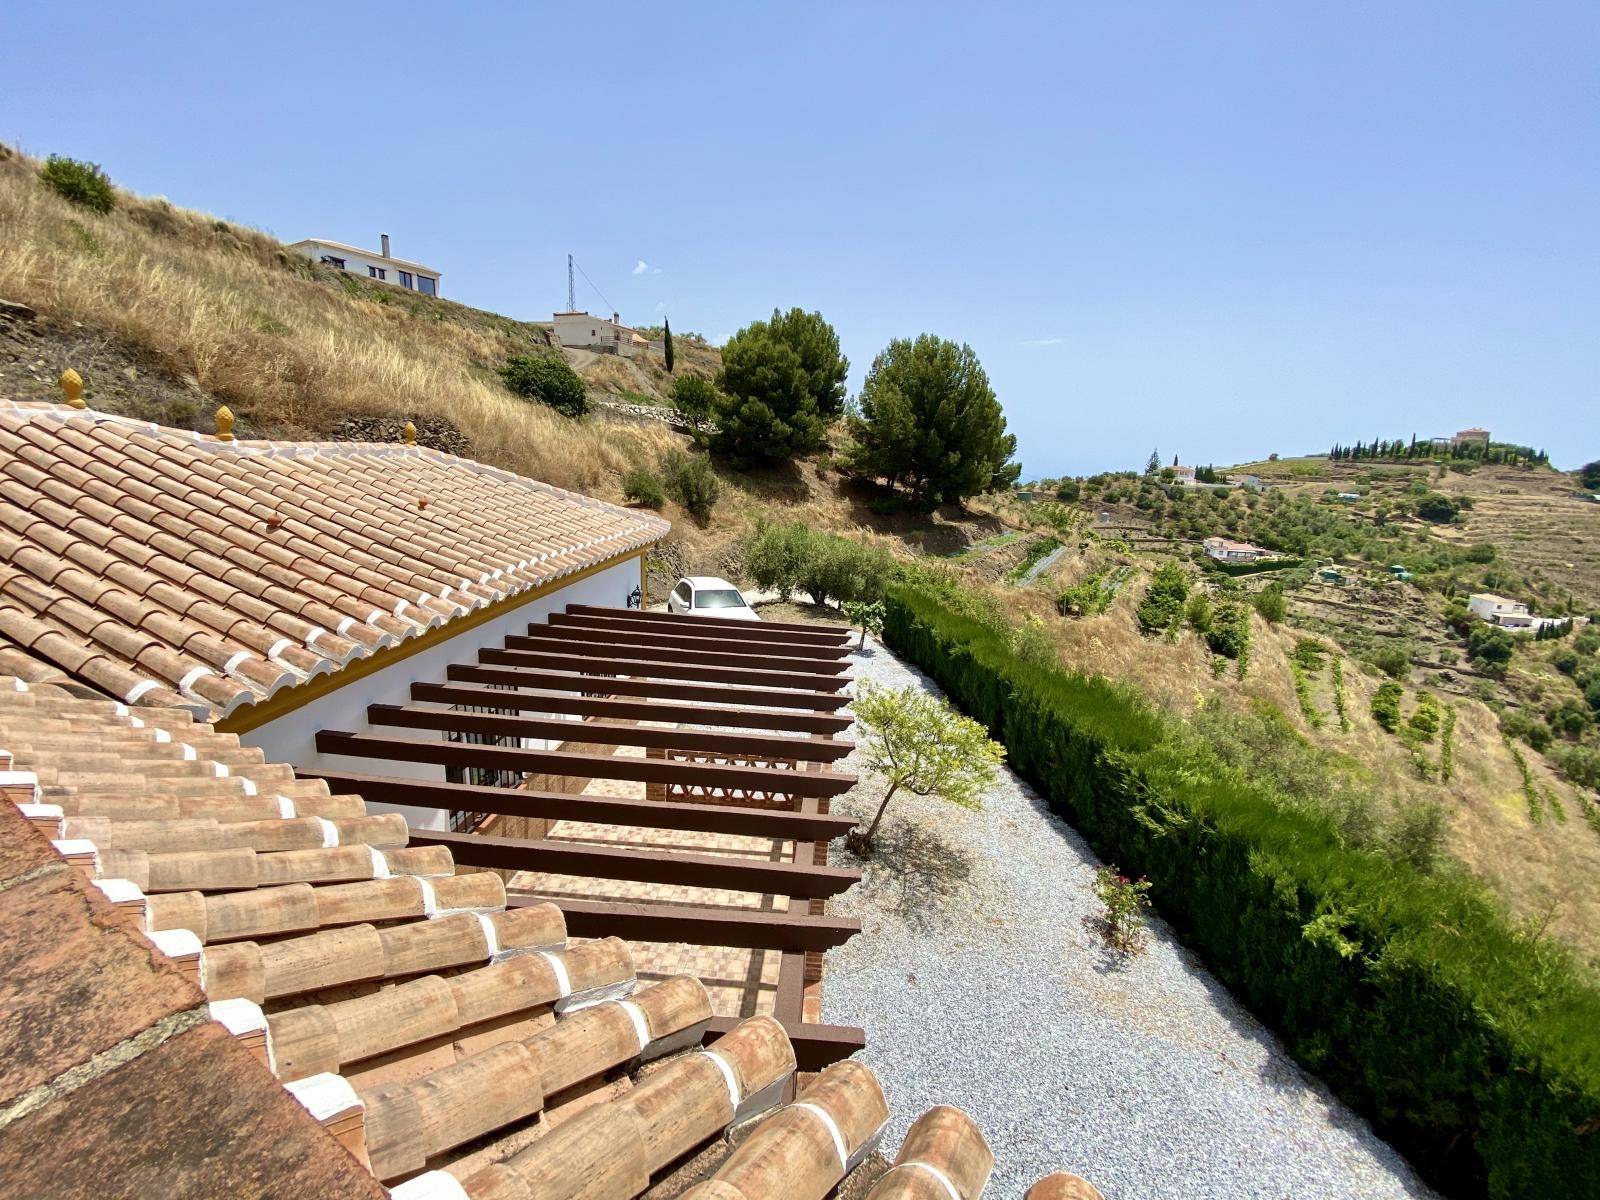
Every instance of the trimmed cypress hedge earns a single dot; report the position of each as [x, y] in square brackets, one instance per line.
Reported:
[1475, 1051]
[1251, 568]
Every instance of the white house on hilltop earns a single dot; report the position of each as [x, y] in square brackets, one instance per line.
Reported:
[581, 331]
[1229, 551]
[1508, 614]
[379, 265]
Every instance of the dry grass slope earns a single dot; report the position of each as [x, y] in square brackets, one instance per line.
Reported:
[291, 348]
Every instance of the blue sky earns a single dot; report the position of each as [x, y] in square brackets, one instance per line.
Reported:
[1220, 229]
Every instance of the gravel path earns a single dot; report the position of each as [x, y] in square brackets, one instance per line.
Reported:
[981, 984]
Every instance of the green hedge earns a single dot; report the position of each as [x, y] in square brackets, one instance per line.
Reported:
[1251, 568]
[1474, 1051]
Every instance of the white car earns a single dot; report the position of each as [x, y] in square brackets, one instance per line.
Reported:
[708, 596]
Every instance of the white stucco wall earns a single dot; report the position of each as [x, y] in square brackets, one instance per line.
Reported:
[359, 264]
[291, 738]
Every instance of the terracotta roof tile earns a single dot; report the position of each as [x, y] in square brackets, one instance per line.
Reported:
[112, 513]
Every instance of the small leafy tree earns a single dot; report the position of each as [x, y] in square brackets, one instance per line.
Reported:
[1589, 476]
[868, 614]
[666, 343]
[547, 380]
[1162, 605]
[80, 182]
[920, 744]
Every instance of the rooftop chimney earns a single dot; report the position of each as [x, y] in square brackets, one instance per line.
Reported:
[616, 318]
[384, 238]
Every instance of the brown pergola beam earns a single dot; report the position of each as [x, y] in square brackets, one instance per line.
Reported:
[606, 733]
[815, 1046]
[760, 876]
[636, 668]
[607, 629]
[562, 639]
[775, 823]
[630, 710]
[748, 929]
[777, 631]
[662, 689]
[584, 766]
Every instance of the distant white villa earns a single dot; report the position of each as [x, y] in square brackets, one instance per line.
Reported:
[1229, 551]
[1508, 614]
[374, 264]
[581, 331]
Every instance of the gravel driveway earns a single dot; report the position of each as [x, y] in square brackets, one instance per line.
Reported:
[982, 983]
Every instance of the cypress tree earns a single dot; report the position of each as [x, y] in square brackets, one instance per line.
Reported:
[666, 344]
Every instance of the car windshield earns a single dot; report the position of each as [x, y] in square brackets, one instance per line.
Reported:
[719, 598]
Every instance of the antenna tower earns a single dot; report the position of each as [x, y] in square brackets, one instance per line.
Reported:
[572, 291]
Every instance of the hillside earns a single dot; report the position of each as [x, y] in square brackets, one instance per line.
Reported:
[168, 313]
[1513, 816]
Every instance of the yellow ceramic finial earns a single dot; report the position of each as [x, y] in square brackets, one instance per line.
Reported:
[224, 424]
[409, 434]
[72, 388]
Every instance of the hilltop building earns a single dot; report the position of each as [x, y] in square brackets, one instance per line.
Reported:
[374, 264]
[1508, 614]
[579, 330]
[1471, 437]
[1229, 551]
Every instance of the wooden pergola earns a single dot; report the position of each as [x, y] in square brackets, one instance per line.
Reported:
[738, 723]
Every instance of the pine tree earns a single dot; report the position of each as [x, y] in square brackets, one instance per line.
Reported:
[666, 344]
[1154, 465]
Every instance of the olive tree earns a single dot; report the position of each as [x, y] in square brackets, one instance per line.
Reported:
[918, 743]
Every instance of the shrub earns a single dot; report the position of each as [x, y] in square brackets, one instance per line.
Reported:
[1525, 728]
[1270, 603]
[694, 397]
[1163, 601]
[1123, 903]
[690, 481]
[1031, 643]
[1472, 1050]
[1392, 657]
[794, 557]
[643, 486]
[1386, 705]
[1229, 633]
[1490, 646]
[547, 380]
[83, 183]
[1089, 597]
[1068, 490]
[1438, 508]
[1198, 613]
[1416, 835]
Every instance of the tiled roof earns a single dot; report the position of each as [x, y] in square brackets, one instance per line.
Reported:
[166, 568]
[210, 937]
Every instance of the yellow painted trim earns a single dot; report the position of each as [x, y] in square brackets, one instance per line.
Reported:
[254, 716]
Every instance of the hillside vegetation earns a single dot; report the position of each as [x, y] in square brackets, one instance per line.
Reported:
[168, 313]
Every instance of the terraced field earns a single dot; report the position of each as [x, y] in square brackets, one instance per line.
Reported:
[1539, 523]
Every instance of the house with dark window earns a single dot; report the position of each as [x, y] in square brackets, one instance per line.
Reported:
[373, 264]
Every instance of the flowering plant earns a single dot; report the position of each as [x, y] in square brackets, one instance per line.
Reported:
[1124, 901]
